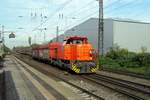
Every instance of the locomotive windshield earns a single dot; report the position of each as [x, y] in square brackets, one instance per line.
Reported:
[76, 40]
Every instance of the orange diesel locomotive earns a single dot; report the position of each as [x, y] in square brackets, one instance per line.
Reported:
[74, 53]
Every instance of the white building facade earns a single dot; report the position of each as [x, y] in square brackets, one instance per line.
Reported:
[126, 34]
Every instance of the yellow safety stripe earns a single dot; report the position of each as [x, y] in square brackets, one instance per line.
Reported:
[94, 69]
[74, 68]
[78, 70]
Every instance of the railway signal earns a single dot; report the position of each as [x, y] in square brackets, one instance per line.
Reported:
[57, 33]
[29, 40]
[12, 35]
[2, 32]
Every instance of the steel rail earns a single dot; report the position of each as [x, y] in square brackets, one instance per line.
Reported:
[127, 73]
[78, 87]
[113, 88]
[136, 86]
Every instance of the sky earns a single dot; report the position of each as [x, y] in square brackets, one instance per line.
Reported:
[26, 18]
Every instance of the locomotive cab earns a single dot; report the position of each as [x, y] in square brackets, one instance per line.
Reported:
[77, 48]
[78, 51]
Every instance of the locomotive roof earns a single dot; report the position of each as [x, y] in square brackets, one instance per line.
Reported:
[77, 38]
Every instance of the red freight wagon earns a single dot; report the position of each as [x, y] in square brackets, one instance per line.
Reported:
[41, 52]
[56, 51]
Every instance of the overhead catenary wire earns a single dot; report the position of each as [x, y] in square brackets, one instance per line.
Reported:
[121, 6]
[133, 14]
[51, 15]
[80, 11]
[87, 9]
[84, 6]
[96, 12]
[106, 7]
[93, 13]
[115, 9]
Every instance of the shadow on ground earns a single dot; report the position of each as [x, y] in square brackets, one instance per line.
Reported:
[10, 89]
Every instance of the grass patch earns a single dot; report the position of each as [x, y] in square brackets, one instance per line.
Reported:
[137, 70]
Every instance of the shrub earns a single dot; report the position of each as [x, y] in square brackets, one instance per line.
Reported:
[143, 59]
[117, 53]
[124, 58]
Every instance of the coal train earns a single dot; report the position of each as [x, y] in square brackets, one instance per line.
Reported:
[75, 54]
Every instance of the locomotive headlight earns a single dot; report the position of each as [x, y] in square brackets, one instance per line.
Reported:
[92, 53]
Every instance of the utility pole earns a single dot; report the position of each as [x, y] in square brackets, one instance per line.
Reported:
[57, 34]
[44, 37]
[29, 41]
[100, 31]
[44, 34]
[2, 36]
[35, 38]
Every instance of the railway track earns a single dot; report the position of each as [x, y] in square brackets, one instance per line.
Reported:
[84, 91]
[127, 73]
[134, 90]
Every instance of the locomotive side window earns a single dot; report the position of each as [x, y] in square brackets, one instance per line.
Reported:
[77, 42]
[74, 42]
[69, 42]
[65, 42]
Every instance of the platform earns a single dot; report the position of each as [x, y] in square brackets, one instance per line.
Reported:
[2, 83]
[29, 84]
